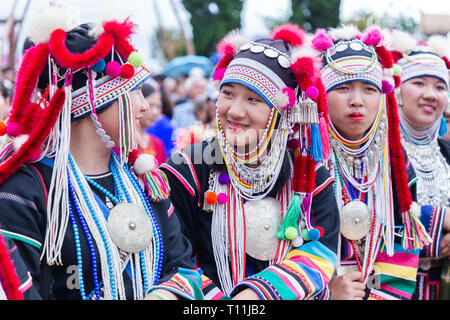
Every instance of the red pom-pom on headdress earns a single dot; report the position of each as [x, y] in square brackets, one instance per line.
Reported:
[447, 62]
[290, 33]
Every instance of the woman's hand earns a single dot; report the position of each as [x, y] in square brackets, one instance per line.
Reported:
[159, 293]
[445, 246]
[348, 286]
[247, 294]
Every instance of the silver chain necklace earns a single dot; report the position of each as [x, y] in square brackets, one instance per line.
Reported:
[432, 170]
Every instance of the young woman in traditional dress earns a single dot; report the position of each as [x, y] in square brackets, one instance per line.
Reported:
[380, 230]
[422, 99]
[89, 216]
[263, 221]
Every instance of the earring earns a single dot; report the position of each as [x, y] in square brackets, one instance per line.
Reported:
[398, 97]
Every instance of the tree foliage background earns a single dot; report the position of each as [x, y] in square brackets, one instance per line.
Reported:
[211, 21]
[313, 14]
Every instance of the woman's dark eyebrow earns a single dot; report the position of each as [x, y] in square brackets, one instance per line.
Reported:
[228, 85]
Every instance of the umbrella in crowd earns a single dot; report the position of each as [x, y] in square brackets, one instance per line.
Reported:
[184, 64]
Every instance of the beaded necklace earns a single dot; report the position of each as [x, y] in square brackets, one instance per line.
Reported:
[369, 182]
[256, 183]
[418, 135]
[93, 225]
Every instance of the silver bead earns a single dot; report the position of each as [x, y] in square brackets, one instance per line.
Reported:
[110, 144]
[105, 138]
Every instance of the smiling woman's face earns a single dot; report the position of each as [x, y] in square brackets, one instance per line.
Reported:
[243, 114]
[423, 100]
[353, 107]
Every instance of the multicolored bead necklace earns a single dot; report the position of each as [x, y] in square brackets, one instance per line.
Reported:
[125, 183]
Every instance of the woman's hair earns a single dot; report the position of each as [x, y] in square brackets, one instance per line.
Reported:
[4, 91]
[167, 109]
[148, 89]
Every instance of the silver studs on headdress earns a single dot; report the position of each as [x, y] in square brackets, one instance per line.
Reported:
[269, 51]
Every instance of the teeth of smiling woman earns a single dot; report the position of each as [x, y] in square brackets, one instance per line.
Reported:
[427, 108]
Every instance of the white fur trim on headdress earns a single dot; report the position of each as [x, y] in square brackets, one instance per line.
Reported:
[304, 51]
[439, 44]
[236, 38]
[19, 141]
[51, 18]
[401, 41]
[281, 100]
[387, 38]
[345, 32]
[144, 163]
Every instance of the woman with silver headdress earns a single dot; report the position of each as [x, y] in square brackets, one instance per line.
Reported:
[380, 230]
[422, 99]
[262, 220]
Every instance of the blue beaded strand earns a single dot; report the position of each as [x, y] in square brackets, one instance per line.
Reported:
[102, 233]
[89, 240]
[78, 253]
[106, 192]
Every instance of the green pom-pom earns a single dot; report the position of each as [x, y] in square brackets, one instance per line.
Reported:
[397, 70]
[291, 218]
[135, 59]
[291, 233]
[305, 234]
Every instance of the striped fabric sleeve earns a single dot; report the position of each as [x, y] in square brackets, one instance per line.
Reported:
[181, 166]
[394, 278]
[304, 273]
[433, 220]
[190, 284]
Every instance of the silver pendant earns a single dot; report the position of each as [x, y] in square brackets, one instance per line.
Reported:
[262, 220]
[129, 227]
[355, 220]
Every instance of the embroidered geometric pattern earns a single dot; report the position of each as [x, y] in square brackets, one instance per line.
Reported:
[16, 198]
[259, 77]
[332, 78]
[107, 89]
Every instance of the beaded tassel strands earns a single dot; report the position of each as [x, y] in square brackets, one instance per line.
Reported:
[144, 266]
[364, 173]
[431, 168]
[239, 229]
[256, 182]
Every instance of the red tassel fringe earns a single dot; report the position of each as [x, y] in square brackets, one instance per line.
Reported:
[36, 137]
[397, 157]
[10, 280]
[30, 69]
[75, 61]
[398, 167]
[304, 174]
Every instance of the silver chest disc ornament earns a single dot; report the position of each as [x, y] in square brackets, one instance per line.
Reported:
[129, 227]
[355, 220]
[262, 219]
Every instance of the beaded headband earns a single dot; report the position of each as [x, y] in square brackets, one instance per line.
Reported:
[107, 90]
[255, 76]
[351, 60]
[352, 56]
[60, 54]
[422, 61]
[325, 41]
